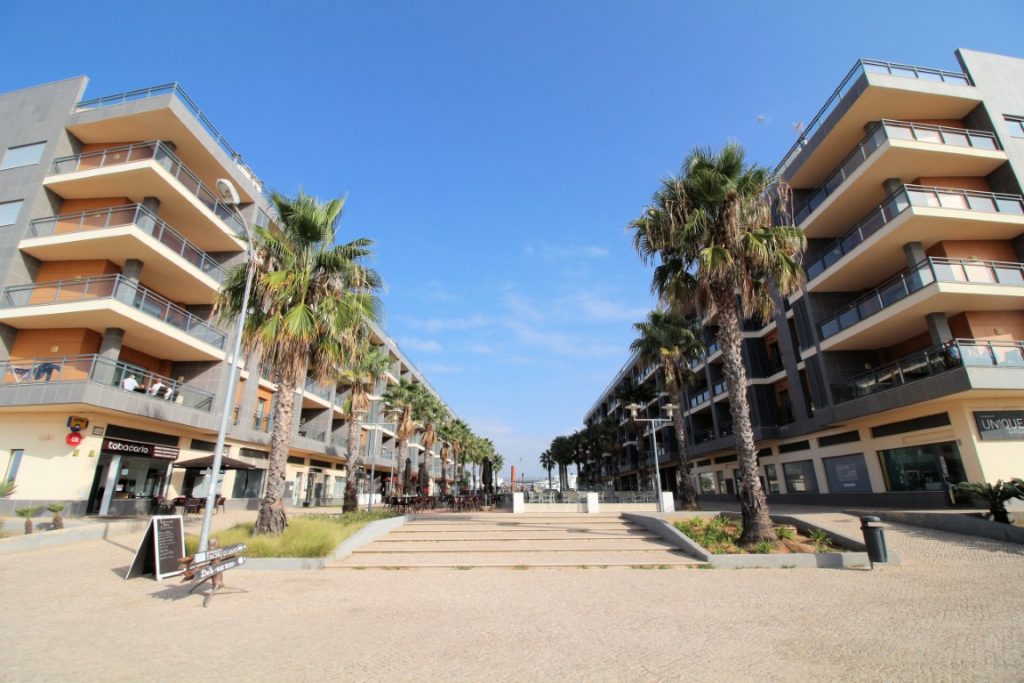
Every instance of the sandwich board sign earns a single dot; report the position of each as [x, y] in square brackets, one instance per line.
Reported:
[161, 549]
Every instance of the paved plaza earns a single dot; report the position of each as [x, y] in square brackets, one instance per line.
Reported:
[950, 612]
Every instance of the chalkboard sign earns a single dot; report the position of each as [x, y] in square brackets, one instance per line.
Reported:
[161, 549]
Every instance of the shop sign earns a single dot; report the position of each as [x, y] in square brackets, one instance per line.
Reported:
[1000, 425]
[73, 439]
[139, 449]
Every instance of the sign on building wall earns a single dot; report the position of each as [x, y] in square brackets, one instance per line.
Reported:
[847, 474]
[1000, 425]
[137, 448]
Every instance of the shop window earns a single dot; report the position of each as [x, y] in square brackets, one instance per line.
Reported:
[13, 463]
[23, 155]
[248, 484]
[800, 477]
[9, 212]
[930, 467]
[773, 478]
[847, 474]
[707, 482]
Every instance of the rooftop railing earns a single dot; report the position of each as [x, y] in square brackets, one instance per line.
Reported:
[99, 370]
[907, 196]
[930, 362]
[880, 133]
[159, 152]
[131, 214]
[177, 91]
[862, 67]
[121, 289]
[926, 272]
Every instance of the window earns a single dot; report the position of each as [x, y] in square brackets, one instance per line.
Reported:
[9, 212]
[13, 464]
[707, 482]
[24, 155]
[800, 477]
[773, 478]
[1016, 126]
[248, 484]
[922, 468]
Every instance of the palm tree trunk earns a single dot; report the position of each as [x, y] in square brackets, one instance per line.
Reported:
[687, 493]
[352, 457]
[400, 448]
[271, 518]
[757, 523]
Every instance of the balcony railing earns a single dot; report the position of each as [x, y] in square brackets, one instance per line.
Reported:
[121, 289]
[880, 133]
[317, 389]
[697, 399]
[262, 423]
[177, 91]
[926, 272]
[99, 370]
[862, 67]
[932, 361]
[312, 433]
[720, 387]
[131, 214]
[905, 197]
[160, 153]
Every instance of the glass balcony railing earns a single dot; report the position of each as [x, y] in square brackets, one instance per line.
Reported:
[131, 214]
[311, 432]
[177, 91]
[902, 199]
[859, 69]
[121, 289]
[880, 133]
[932, 361]
[96, 369]
[713, 348]
[926, 272]
[702, 397]
[703, 436]
[720, 388]
[160, 153]
[317, 389]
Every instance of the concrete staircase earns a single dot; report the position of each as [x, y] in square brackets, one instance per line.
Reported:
[516, 541]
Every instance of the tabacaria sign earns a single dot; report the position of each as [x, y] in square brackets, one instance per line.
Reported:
[1000, 425]
[136, 448]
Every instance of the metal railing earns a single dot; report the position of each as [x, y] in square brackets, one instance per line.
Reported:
[899, 201]
[317, 389]
[862, 67]
[313, 433]
[882, 132]
[161, 154]
[130, 214]
[932, 269]
[262, 423]
[99, 370]
[929, 362]
[121, 289]
[177, 91]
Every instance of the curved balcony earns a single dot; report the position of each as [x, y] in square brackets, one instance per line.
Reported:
[95, 369]
[109, 301]
[909, 149]
[129, 232]
[915, 214]
[150, 169]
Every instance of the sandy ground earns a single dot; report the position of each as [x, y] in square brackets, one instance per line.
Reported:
[951, 612]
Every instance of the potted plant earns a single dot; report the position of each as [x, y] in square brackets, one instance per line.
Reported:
[26, 514]
[996, 495]
[56, 508]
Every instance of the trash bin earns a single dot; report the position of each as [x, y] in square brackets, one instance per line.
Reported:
[874, 539]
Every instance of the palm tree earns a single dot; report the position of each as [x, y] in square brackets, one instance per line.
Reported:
[454, 432]
[994, 495]
[713, 233]
[548, 463]
[432, 412]
[311, 303]
[370, 365]
[673, 341]
[403, 398]
[629, 392]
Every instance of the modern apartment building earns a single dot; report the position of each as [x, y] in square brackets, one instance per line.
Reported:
[898, 369]
[112, 249]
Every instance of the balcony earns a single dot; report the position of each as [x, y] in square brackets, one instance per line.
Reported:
[98, 303]
[317, 389]
[936, 360]
[873, 90]
[310, 432]
[698, 399]
[150, 169]
[914, 214]
[954, 285]
[95, 369]
[720, 388]
[894, 149]
[129, 232]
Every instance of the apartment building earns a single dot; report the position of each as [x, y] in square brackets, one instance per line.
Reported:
[898, 369]
[112, 249]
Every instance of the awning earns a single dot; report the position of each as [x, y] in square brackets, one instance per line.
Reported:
[226, 463]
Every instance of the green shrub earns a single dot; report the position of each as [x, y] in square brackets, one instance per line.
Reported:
[786, 532]
[764, 547]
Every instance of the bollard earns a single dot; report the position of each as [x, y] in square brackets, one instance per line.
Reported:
[874, 539]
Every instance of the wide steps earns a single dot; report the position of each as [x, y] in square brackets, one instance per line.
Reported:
[527, 545]
[596, 558]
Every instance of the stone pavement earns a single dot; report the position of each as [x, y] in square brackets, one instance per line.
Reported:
[951, 612]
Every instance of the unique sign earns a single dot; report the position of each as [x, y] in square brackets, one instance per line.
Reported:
[161, 549]
[137, 448]
[1000, 425]
[76, 423]
[73, 439]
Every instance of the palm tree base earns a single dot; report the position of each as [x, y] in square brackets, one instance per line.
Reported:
[271, 518]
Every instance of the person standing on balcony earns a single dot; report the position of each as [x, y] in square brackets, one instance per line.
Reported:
[156, 387]
[129, 383]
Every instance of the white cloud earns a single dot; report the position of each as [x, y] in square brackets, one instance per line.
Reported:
[548, 251]
[429, 345]
[433, 291]
[440, 324]
[602, 309]
[560, 343]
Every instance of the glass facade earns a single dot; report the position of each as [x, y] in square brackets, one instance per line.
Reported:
[930, 467]
[800, 477]
[248, 484]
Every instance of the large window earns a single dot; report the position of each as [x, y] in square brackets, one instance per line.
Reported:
[847, 474]
[773, 478]
[9, 212]
[800, 477]
[922, 468]
[24, 155]
[707, 482]
[248, 484]
[1016, 125]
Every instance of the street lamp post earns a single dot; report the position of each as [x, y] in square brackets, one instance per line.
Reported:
[378, 438]
[656, 424]
[229, 197]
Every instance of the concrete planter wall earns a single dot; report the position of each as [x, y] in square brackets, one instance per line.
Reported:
[367, 534]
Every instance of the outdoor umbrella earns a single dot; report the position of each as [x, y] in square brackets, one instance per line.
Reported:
[206, 463]
[407, 479]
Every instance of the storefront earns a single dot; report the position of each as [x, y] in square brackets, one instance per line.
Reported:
[129, 475]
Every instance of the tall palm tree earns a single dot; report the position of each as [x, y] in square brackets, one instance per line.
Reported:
[630, 392]
[720, 234]
[453, 432]
[673, 341]
[403, 398]
[308, 312]
[548, 463]
[369, 366]
[432, 412]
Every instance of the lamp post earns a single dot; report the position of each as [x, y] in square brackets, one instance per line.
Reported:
[656, 424]
[229, 197]
[378, 438]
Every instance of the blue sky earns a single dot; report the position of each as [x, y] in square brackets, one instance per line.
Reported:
[496, 150]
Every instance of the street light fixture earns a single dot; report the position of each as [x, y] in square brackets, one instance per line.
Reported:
[230, 198]
[656, 424]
